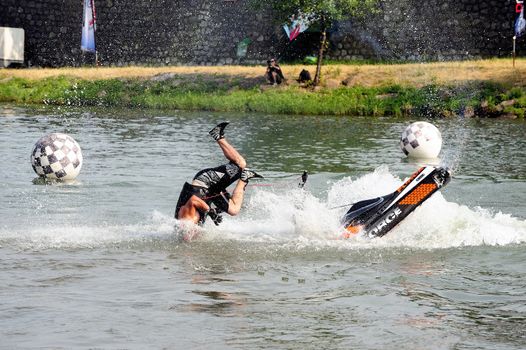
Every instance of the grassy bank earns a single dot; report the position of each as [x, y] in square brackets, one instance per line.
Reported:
[478, 88]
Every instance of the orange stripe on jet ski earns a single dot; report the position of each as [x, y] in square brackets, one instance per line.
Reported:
[351, 230]
[354, 229]
[419, 194]
[401, 188]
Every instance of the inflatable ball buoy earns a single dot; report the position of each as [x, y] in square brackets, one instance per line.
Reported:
[57, 156]
[421, 140]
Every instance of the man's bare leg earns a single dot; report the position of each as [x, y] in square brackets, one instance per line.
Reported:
[231, 153]
[235, 202]
[218, 134]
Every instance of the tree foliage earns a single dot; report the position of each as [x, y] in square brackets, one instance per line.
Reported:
[323, 13]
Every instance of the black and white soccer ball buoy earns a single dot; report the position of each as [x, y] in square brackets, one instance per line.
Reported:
[421, 140]
[57, 156]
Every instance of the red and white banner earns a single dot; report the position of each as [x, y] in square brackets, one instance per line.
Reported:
[89, 26]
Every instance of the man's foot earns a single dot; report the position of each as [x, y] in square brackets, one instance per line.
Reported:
[218, 132]
[248, 174]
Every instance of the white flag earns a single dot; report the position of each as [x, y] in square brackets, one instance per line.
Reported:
[298, 25]
[88, 27]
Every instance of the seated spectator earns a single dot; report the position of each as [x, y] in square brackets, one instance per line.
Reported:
[304, 77]
[274, 75]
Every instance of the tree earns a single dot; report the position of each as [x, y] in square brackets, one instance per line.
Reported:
[324, 13]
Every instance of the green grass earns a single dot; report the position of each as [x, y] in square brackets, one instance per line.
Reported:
[217, 93]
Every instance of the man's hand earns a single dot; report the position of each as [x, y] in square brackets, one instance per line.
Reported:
[216, 218]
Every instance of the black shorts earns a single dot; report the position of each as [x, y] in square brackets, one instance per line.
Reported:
[216, 180]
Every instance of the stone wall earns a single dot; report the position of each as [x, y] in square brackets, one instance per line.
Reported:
[142, 32]
[423, 30]
[159, 32]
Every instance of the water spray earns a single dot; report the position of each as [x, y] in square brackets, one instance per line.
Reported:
[451, 160]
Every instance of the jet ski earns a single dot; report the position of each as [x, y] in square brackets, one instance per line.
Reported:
[376, 217]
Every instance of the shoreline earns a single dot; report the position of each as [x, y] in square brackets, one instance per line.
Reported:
[488, 88]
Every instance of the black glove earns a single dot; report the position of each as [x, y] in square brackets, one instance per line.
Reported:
[216, 218]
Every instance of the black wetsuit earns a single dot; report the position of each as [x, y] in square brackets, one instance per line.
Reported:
[209, 185]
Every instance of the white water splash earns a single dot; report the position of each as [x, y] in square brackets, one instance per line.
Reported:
[296, 219]
[300, 218]
[57, 236]
[452, 156]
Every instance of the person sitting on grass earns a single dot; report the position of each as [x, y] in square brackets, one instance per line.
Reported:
[274, 74]
[304, 77]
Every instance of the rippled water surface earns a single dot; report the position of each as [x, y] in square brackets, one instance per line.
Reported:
[99, 263]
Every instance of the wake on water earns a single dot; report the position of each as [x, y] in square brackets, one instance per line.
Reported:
[299, 217]
[296, 218]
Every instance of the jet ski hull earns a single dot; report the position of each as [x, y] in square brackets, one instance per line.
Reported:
[376, 217]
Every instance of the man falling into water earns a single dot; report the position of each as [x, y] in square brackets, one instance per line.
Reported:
[209, 186]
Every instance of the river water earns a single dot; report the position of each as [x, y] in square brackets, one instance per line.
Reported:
[98, 263]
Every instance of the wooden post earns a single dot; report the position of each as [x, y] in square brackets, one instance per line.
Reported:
[514, 52]
[320, 57]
